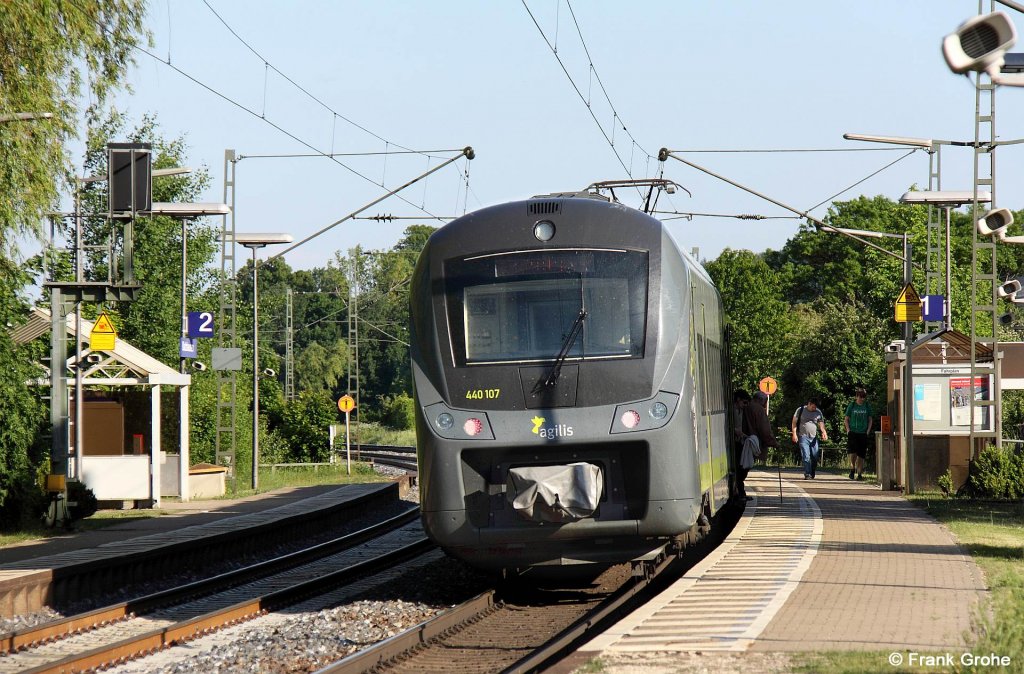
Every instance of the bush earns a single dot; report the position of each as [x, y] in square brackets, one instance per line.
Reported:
[84, 500]
[24, 503]
[945, 483]
[997, 473]
[399, 412]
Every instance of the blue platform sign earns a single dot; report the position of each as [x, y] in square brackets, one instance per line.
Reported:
[933, 308]
[189, 348]
[200, 324]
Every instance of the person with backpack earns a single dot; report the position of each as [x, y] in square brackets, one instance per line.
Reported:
[806, 421]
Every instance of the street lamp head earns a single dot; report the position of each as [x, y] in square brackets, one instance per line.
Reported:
[892, 140]
[979, 44]
[944, 197]
[261, 239]
[995, 222]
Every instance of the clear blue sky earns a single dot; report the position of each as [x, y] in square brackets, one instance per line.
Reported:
[446, 74]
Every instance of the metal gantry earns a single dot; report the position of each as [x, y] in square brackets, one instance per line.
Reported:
[936, 271]
[289, 355]
[984, 279]
[227, 382]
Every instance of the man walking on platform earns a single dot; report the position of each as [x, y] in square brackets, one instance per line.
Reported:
[858, 421]
[806, 422]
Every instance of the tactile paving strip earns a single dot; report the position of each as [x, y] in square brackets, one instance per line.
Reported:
[727, 599]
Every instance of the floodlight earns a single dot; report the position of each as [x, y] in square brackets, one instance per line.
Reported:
[944, 197]
[979, 44]
[268, 372]
[198, 365]
[1009, 289]
[892, 140]
[995, 222]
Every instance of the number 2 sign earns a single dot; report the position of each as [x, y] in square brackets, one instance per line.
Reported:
[200, 324]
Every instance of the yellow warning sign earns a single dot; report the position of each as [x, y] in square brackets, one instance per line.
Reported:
[908, 305]
[103, 336]
[346, 404]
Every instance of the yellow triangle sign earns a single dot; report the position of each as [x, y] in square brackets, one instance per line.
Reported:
[908, 305]
[103, 325]
[103, 337]
[908, 295]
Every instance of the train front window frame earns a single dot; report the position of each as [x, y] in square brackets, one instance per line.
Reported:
[517, 307]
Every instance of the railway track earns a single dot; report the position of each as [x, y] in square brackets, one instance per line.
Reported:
[513, 629]
[522, 628]
[130, 629]
[397, 456]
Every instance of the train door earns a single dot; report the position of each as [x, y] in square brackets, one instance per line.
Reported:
[702, 430]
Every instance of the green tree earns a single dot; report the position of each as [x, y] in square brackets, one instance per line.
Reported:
[50, 49]
[322, 368]
[757, 315]
[304, 425]
[838, 349]
[23, 414]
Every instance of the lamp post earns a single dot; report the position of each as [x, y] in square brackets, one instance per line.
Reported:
[253, 242]
[947, 200]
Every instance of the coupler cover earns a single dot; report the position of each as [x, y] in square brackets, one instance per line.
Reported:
[555, 493]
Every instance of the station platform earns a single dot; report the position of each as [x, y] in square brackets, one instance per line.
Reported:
[830, 565]
[174, 516]
[49, 571]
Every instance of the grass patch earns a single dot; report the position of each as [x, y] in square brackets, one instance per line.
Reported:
[993, 532]
[307, 476]
[375, 434]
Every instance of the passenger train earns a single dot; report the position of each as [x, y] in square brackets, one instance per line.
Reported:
[570, 373]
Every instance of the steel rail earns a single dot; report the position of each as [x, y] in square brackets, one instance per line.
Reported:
[157, 639]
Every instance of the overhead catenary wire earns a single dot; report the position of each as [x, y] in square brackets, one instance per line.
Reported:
[676, 215]
[865, 178]
[585, 99]
[255, 114]
[298, 86]
[433, 154]
[791, 149]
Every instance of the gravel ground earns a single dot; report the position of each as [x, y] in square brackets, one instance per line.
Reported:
[23, 621]
[307, 637]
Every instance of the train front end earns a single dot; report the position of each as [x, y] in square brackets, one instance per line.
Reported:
[554, 390]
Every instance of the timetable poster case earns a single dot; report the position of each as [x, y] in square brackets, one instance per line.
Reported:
[942, 400]
[960, 400]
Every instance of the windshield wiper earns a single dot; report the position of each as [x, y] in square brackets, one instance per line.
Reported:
[563, 353]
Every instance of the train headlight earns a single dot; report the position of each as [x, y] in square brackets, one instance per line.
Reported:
[544, 230]
[444, 421]
[659, 410]
[473, 427]
[630, 418]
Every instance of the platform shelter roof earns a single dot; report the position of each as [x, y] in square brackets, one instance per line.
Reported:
[125, 365]
[949, 346]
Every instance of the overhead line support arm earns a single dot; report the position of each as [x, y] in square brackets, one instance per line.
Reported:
[665, 153]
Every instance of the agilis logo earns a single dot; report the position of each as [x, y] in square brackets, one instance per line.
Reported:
[550, 432]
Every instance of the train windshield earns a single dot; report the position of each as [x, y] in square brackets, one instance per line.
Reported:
[520, 307]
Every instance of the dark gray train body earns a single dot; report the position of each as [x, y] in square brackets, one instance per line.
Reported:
[641, 393]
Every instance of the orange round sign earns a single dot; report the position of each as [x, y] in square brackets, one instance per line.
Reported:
[768, 386]
[346, 404]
